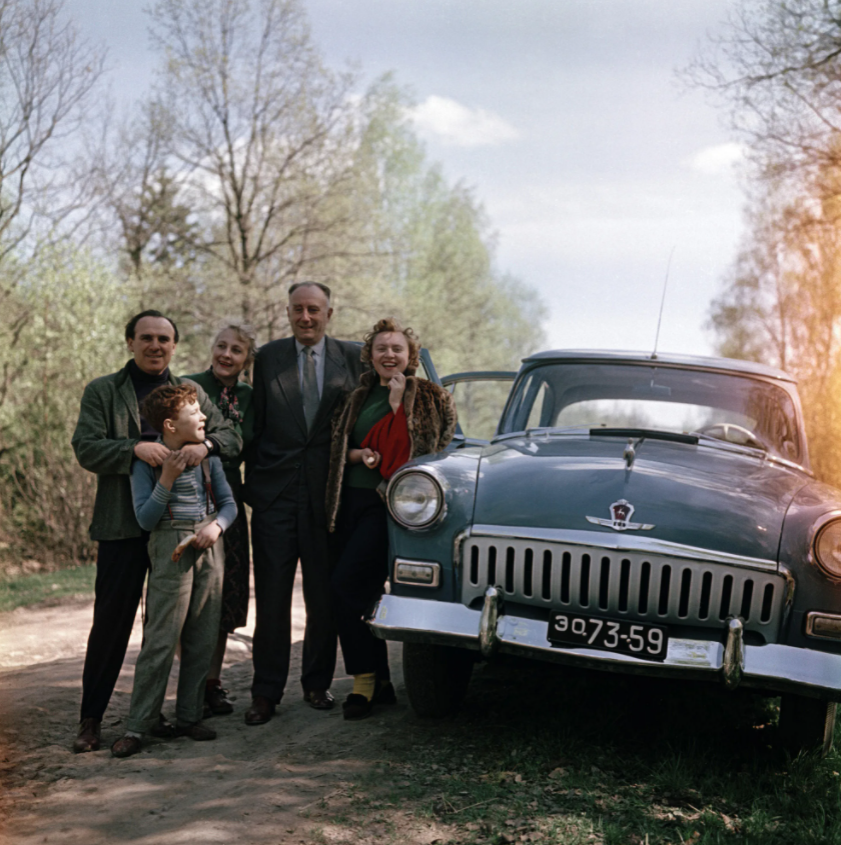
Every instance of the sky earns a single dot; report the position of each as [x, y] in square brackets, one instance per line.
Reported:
[593, 162]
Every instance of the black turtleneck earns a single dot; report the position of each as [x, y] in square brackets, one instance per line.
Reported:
[144, 384]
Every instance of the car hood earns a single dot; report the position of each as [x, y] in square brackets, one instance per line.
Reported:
[697, 495]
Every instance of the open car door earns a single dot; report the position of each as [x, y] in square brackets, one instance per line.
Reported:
[480, 399]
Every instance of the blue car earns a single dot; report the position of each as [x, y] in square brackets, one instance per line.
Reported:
[647, 514]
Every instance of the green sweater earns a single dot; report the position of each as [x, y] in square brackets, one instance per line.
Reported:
[375, 408]
[245, 429]
[106, 434]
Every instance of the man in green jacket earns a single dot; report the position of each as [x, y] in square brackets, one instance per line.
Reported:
[109, 436]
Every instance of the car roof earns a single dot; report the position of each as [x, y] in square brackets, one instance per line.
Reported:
[663, 358]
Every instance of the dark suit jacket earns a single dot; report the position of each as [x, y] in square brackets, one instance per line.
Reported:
[283, 450]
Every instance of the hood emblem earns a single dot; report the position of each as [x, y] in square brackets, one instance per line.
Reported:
[621, 511]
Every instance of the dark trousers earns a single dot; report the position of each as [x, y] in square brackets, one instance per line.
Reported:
[361, 571]
[281, 534]
[121, 567]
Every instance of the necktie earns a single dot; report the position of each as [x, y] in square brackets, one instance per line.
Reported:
[310, 388]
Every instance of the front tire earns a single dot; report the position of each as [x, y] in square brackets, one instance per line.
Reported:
[806, 724]
[436, 678]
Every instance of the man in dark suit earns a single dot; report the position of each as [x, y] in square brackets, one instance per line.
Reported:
[298, 382]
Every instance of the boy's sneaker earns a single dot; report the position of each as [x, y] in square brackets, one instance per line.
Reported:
[126, 745]
[216, 700]
[197, 731]
[164, 729]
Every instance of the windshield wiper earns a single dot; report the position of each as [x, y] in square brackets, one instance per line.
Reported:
[646, 434]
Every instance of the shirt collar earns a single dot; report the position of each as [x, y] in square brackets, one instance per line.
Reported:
[318, 348]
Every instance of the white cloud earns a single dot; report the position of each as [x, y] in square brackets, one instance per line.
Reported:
[717, 160]
[461, 126]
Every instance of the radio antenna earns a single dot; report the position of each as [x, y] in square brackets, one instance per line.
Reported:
[662, 303]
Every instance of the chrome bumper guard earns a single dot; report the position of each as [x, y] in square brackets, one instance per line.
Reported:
[771, 667]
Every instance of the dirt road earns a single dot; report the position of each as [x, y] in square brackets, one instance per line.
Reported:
[269, 784]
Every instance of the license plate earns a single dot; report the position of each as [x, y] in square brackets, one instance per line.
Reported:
[650, 642]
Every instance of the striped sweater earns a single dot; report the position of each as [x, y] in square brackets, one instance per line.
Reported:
[186, 501]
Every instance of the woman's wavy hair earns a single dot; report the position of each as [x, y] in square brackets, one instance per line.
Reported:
[389, 324]
[246, 334]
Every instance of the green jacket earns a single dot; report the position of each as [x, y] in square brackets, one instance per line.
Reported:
[106, 434]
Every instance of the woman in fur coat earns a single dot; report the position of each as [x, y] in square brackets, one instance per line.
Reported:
[391, 417]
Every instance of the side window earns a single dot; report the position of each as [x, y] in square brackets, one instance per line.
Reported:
[541, 409]
[479, 404]
[422, 372]
[533, 406]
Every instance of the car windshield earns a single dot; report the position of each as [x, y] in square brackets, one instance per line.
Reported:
[739, 409]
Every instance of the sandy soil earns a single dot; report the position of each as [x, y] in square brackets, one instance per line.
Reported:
[264, 784]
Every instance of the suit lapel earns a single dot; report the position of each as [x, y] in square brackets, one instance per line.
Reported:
[126, 390]
[287, 377]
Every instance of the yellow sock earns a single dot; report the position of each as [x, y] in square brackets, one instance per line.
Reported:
[365, 684]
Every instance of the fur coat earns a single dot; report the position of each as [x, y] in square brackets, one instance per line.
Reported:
[430, 417]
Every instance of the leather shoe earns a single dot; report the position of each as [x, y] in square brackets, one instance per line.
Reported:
[261, 710]
[88, 738]
[197, 731]
[357, 707]
[125, 746]
[164, 729]
[385, 693]
[319, 699]
[216, 700]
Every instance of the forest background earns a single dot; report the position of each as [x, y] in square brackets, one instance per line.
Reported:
[250, 164]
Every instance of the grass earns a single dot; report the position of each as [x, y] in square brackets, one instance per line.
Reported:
[26, 590]
[540, 754]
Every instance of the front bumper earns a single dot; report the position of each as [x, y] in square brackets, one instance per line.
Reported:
[773, 668]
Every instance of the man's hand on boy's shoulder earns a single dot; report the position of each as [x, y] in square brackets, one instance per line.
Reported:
[151, 452]
[172, 467]
[195, 453]
[208, 536]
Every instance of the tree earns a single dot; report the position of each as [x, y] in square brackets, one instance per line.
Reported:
[131, 175]
[260, 131]
[776, 68]
[782, 305]
[73, 334]
[430, 252]
[47, 75]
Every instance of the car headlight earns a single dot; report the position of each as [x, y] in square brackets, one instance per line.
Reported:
[828, 548]
[415, 499]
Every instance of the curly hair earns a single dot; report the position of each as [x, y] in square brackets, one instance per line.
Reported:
[165, 403]
[389, 324]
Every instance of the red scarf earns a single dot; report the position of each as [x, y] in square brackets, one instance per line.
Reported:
[390, 437]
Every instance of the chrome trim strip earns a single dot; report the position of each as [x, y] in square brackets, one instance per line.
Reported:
[734, 654]
[622, 543]
[488, 640]
[772, 668]
[458, 542]
[436, 570]
[788, 602]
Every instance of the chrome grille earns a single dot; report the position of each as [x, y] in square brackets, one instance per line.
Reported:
[623, 584]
